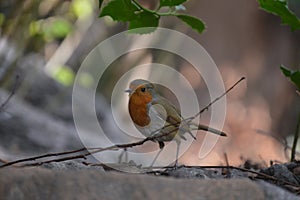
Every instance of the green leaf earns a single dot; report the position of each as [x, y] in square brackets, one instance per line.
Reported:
[120, 10]
[65, 76]
[56, 28]
[145, 22]
[293, 75]
[193, 22]
[171, 2]
[82, 8]
[280, 8]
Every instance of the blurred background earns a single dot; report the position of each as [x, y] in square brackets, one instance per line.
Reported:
[44, 42]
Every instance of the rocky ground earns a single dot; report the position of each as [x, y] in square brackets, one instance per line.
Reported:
[73, 180]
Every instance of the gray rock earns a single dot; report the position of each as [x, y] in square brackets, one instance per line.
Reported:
[37, 183]
[184, 172]
[202, 173]
[281, 172]
[273, 192]
[91, 183]
[69, 165]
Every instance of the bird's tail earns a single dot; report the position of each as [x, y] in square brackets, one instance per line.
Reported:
[206, 128]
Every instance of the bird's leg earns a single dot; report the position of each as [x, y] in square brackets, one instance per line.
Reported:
[125, 154]
[177, 154]
[161, 146]
[191, 134]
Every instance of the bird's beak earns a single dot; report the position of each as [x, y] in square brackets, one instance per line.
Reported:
[128, 91]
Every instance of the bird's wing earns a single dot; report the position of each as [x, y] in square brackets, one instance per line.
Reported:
[172, 115]
[171, 112]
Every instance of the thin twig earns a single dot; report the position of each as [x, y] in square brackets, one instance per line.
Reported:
[226, 159]
[218, 98]
[83, 155]
[295, 139]
[260, 175]
[41, 156]
[92, 151]
[254, 172]
[13, 91]
[227, 172]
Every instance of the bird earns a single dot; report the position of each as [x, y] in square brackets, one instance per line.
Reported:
[155, 116]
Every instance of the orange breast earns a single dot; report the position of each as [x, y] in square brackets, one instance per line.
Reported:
[138, 109]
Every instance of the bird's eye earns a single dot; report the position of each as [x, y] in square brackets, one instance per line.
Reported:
[143, 89]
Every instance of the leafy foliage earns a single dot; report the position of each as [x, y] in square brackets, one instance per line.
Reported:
[50, 29]
[143, 20]
[280, 8]
[120, 10]
[82, 8]
[293, 75]
[193, 22]
[171, 2]
[65, 76]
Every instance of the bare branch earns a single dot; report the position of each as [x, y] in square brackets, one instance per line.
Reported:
[82, 155]
[218, 98]
[254, 172]
[41, 156]
[297, 132]
[13, 91]
[226, 170]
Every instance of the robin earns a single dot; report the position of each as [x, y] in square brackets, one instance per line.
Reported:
[154, 115]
